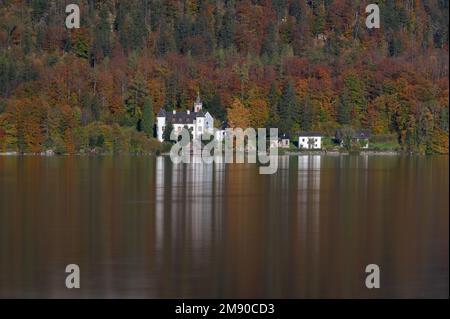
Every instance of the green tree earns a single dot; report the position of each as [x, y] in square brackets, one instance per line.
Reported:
[137, 29]
[167, 131]
[136, 93]
[347, 134]
[353, 101]
[269, 45]
[274, 100]
[102, 33]
[172, 93]
[214, 106]
[227, 29]
[306, 114]
[288, 109]
[148, 117]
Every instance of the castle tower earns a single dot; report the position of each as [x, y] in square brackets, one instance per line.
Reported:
[198, 105]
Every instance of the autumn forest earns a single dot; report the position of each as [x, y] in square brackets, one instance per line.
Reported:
[299, 65]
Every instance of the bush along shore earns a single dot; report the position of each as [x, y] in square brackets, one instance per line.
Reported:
[94, 139]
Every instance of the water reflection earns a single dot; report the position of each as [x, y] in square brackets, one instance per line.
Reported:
[144, 227]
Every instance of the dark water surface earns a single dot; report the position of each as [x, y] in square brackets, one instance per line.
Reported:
[143, 227]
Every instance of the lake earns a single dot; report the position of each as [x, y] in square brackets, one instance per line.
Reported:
[142, 227]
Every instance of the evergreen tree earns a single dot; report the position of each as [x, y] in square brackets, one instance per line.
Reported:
[227, 31]
[280, 7]
[214, 106]
[170, 101]
[274, 100]
[165, 42]
[120, 23]
[296, 10]
[287, 109]
[344, 110]
[318, 24]
[148, 117]
[137, 29]
[443, 119]
[134, 102]
[167, 131]
[269, 46]
[306, 115]
[102, 33]
[181, 33]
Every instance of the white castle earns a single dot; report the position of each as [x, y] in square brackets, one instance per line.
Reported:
[197, 121]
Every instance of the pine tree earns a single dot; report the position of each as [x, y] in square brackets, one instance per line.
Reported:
[344, 110]
[137, 29]
[165, 42]
[274, 100]
[170, 101]
[137, 91]
[269, 45]
[280, 7]
[148, 117]
[288, 109]
[214, 106]
[167, 131]
[227, 29]
[102, 33]
[306, 115]
[120, 23]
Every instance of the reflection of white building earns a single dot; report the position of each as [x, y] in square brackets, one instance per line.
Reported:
[188, 217]
[310, 140]
[197, 121]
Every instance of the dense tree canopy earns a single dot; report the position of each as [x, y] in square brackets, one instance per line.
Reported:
[293, 64]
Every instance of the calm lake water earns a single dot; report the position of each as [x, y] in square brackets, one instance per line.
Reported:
[141, 227]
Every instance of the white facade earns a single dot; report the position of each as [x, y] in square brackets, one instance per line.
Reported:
[197, 122]
[160, 126]
[284, 143]
[310, 142]
[219, 135]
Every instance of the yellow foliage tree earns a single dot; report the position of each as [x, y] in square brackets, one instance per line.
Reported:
[239, 115]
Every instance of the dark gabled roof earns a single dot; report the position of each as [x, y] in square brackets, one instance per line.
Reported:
[310, 134]
[362, 134]
[357, 134]
[180, 117]
[284, 136]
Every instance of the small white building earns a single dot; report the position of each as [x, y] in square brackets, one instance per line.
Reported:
[360, 137]
[284, 141]
[310, 140]
[197, 121]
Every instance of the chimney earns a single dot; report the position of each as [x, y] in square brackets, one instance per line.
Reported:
[174, 112]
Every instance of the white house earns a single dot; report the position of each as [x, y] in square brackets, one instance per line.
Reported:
[360, 137]
[283, 141]
[197, 121]
[310, 140]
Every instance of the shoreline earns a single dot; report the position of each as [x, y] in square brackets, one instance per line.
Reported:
[284, 153]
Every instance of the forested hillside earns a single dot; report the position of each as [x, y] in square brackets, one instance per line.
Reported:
[291, 64]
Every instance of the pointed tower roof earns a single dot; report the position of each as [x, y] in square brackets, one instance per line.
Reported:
[161, 113]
